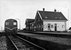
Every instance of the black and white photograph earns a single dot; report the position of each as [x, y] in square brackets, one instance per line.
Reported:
[35, 24]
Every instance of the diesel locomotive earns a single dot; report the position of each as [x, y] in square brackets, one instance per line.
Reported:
[11, 26]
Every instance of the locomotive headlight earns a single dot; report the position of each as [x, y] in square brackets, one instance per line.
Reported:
[14, 23]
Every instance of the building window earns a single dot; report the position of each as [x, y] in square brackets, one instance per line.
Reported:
[32, 24]
[51, 26]
[48, 25]
[45, 26]
[62, 26]
[46, 17]
[55, 24]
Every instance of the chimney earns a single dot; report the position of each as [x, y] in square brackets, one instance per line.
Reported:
[43, 9]
[54, 10]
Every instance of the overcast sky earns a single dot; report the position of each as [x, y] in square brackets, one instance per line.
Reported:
[23, 9]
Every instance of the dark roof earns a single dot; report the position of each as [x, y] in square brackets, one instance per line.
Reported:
[30, 20]
[8, 20]
[48, 15]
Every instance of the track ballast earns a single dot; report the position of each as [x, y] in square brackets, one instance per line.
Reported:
[22, 44]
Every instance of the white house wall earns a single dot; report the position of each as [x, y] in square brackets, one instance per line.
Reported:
[61, 25]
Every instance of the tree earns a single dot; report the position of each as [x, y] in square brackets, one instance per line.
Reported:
[70, 28]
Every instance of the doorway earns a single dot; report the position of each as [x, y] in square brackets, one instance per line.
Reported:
[55, 27]
[49, 27]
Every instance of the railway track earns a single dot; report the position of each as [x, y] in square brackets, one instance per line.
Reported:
[22, 44]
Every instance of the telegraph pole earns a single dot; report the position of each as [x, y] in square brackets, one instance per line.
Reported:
[19, 22]
[68, 17]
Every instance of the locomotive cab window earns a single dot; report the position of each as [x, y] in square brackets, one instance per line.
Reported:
[14, 23]
[7, 23]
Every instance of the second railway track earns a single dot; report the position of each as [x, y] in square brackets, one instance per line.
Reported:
[23, 44]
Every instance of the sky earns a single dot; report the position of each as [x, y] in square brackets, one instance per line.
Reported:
[23, 9]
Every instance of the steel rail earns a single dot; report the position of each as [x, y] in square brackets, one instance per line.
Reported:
[31, 43]
[13, 43]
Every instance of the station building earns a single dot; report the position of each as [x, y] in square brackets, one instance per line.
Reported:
[48, 21]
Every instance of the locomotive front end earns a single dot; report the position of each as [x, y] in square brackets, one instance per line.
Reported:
[11, 26]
